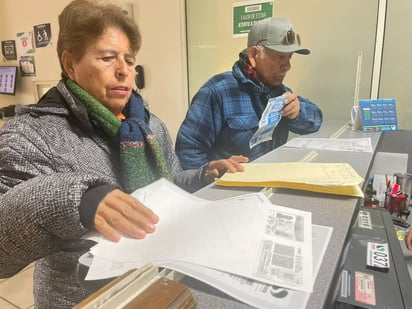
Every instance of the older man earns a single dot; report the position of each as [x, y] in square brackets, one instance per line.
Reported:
[225, 113]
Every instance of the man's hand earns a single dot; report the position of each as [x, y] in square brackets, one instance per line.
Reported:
[119, 213]
[292, 106]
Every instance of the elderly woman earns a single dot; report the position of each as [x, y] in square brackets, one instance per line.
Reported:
[68, 163]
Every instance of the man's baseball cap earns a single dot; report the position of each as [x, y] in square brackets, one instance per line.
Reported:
[276, 33]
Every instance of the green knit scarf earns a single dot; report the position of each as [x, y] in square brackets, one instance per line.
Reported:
[141, 158]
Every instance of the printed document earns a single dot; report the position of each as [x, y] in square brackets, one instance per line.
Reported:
[254, 293]
[334, 144]
[268, 122]
[246, 236]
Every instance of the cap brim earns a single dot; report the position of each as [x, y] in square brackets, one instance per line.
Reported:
[289, 49]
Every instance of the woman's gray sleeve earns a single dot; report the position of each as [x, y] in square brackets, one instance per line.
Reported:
[190, 180]
[38, 217]
[38, 207]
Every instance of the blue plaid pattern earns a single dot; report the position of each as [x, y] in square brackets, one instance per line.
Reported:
[224, 115]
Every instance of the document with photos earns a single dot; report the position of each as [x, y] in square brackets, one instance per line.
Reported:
[251, 292]
[245, 235]
[335, 144]
[255, 293]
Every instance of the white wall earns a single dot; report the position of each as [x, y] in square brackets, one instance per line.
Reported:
[162, 55]
[334, 31]
[396, 74]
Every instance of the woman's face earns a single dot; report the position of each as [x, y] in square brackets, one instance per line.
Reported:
[107, 69]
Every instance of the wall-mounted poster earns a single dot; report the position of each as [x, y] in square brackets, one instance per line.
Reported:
[27, 66]
[8, 49]
[42, 35]
[24, 43]
[246, 13]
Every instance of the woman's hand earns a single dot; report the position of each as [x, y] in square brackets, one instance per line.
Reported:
[119, 213]
[219, 167]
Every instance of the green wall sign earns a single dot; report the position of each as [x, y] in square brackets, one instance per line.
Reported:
[245, 14]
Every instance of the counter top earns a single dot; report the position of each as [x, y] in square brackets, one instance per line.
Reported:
[335, 211]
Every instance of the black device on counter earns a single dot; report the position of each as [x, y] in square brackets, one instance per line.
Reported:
[362, 286]
[400, 222]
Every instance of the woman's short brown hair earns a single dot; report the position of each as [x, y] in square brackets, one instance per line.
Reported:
[83, 21]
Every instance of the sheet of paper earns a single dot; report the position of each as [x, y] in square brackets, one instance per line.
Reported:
[388, 163]
[101, 268]
[255, 293]
[334, 144]
[333, 178]
[283, 257]
[186, 227]
[268, 121]
[241, 235]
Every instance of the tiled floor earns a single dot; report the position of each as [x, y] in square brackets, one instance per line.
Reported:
[17, 291]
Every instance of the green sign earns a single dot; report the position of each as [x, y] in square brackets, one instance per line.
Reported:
[245, 15]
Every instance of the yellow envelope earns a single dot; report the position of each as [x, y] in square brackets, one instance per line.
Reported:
[332, 178]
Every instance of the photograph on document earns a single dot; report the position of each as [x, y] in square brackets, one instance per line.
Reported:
[285, 225]
[282, 248]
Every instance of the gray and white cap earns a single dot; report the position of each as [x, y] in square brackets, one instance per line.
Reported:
[277, 34]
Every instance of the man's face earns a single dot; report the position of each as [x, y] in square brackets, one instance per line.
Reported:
[271, 66]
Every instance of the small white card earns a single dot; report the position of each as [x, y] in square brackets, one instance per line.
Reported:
[378, 255]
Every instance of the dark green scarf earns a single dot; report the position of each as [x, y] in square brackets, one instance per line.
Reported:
[141, 157]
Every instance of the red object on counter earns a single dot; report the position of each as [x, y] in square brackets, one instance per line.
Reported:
[395, 203]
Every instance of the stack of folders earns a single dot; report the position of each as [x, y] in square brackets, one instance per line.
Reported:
[141, 288]
[331, 178]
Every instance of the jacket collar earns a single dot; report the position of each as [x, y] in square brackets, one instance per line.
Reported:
[57, 101]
